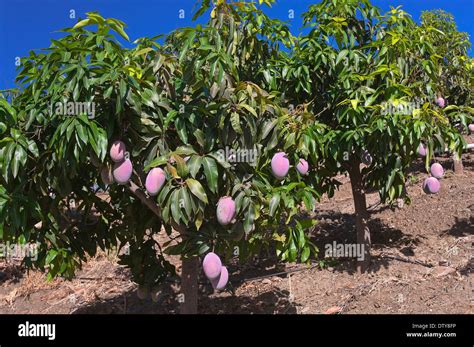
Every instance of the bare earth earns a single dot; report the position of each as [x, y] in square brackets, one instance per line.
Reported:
[422, 263]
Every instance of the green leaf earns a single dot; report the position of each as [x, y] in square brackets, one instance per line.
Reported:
[194, 163]
[77, 91]
[293, 251]
[305, 254]
[102, 143]
[181, 166]
[118, 105]
[219, 157]
[185, 150]
[156, 162]
[122, 89]
[250, 109]
[198, 221]
[235, 121]
[120, 31]
[342, 54]
[52, 253]
[33, 148]
[175, 206]
[185, 200]
[274, 202]
[10, 110]
[301, 236]
[354, 103]
[268, 127]
[249, 219]
[82, 133]
[19, 158]
[290, 140]
[143, 51]
[196, 188]
[82, 23]
[108, 92]
[181, 129]
[7, 158]
[211, 172]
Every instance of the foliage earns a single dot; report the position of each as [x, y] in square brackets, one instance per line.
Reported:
[349, 76]
[174, 106]
[241, 82]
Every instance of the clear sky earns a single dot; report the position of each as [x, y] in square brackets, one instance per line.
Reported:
[30, 24]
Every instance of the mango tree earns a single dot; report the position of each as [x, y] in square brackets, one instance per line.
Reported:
[455, 70]
[346, 79]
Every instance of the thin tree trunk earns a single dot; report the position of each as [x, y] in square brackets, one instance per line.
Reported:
[189, 285]
[361, 214]
[458, 168]
[190, 266]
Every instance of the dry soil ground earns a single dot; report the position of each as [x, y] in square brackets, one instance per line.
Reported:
[423, 259]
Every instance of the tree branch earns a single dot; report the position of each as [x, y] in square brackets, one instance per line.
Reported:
[153, 206]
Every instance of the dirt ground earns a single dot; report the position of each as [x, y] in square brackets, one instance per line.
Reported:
[423, 262]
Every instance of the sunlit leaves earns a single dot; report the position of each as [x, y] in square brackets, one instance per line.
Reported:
[210, 107]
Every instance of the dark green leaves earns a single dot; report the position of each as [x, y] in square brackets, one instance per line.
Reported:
[196, 188]
[19, 159]
[273, 205]
[235, 121]
[211, 172]
[194, 164]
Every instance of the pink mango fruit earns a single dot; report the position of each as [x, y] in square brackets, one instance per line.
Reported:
[440, 102]
[155, 180]
[220, 282]
[280, 165]
[302, 166]
[422, 150]
[123, 171]
[117, 151]
[437, 170]
[225, 210]
[212, 266]
[431, 185]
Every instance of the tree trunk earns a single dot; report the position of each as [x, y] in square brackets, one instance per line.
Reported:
[189, 286]
[190, 266]
[458, 168]
[361, 214]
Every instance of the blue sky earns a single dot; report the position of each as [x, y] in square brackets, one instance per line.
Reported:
[30, 24]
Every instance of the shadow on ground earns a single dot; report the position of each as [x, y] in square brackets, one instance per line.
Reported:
[269, 302]
[462, 227]
[340, 228]
[10, 272]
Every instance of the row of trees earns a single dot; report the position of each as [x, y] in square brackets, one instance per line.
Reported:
[241, 82]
